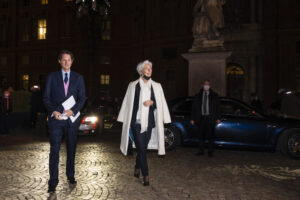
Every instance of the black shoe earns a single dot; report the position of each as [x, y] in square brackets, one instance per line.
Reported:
[210, 154]
[146, 181]
[136, 173]
[51, 189]
[200, 153]
[72, 180]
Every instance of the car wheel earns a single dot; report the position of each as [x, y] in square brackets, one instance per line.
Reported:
[290, 144]
[172, 137]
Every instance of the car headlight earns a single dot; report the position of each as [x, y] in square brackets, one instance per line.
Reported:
[92, 119]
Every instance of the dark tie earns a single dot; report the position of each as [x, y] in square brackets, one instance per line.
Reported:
[205, 103]
[66, 78]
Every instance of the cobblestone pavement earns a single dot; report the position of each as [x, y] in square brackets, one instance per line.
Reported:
[104, 173]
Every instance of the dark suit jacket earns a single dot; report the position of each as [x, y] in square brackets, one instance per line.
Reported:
[214, 106]
[3, 105]
[151, 120]
[54, 94]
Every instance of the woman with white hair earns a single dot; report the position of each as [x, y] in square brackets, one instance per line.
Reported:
[143, 113]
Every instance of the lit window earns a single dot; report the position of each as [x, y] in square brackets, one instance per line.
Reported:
[42, 29]
[234, 70]
[105, 79]
[44, 2]
[25, 81]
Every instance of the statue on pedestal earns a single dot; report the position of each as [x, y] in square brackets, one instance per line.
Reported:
[208, 22]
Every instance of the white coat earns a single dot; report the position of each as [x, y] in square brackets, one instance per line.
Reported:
[161, 115]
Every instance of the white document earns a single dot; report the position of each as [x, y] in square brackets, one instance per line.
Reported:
[63, 117]
[68, 104]
[73, 118]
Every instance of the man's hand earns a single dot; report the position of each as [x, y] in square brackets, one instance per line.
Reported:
[56, 115]
[218, 121]
[68, 113]
[192, 122]
[148, 103]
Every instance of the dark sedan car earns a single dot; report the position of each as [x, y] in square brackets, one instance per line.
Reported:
[241, 126]
[96, 116]
[91, 119]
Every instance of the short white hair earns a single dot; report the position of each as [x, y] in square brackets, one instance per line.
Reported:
[141, 66]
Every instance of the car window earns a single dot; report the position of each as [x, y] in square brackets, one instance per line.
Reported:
[227, 108]
[184, 106]
[231, 108]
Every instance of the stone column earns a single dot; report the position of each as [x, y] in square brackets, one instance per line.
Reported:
[209, 65]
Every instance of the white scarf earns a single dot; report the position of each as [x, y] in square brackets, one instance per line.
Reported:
[143, 111]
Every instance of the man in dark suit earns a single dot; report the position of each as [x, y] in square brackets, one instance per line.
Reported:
[36, 104]
[5, 109]
[60, 86]
[206, 114]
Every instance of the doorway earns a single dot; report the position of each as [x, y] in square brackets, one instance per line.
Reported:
[235, 81]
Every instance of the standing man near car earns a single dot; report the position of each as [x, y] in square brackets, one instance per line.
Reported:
[5, 109]
[206, 114]
[60, 86]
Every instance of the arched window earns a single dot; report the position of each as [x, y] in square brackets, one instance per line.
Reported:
[234, 69]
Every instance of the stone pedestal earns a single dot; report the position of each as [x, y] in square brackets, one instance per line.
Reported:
[209, 65]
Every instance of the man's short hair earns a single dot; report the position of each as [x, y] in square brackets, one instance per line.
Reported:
[207, 80]
[62, 52]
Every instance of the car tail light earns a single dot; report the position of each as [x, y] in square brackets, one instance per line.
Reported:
[89, 120]
[83, 120]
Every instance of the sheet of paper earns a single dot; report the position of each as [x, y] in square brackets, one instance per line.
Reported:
[69, 103]
[63, 117]
[73, 118]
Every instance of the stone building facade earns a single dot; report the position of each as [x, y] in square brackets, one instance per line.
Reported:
[33, 31]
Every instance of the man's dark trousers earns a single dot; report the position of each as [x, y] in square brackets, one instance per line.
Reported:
[57, 129]
[206, 126]
[3, 123]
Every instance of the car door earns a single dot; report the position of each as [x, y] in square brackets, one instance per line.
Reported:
[181, 113]
[240, 126]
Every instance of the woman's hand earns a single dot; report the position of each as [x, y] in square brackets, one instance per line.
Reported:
[148, 103]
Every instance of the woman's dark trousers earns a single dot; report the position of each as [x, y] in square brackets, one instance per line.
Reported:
[141, 141]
